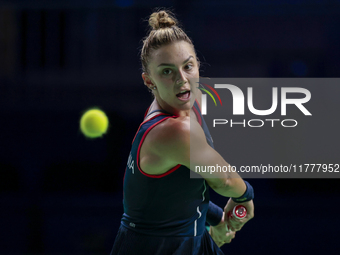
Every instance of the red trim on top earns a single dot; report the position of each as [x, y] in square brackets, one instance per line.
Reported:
[160, 175]
[159, 114]
[140, 145]
[145, 122]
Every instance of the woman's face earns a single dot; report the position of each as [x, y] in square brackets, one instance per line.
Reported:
[170, 69]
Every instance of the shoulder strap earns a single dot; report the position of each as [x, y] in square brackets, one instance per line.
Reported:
[156, 111]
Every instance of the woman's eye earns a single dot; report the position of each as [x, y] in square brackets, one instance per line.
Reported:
[167, 71]
[189, 66]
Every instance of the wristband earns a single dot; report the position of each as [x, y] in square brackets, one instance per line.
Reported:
[214, 214]
[247, 196]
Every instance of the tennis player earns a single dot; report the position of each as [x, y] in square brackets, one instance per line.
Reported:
[165, 210]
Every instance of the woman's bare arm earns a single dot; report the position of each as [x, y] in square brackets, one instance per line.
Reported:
[181, 141]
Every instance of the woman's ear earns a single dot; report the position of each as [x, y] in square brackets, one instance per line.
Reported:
[147, 81]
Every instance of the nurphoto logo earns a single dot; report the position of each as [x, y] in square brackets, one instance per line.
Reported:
[238, 104]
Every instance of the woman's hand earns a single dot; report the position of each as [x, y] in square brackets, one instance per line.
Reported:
[236, 224]
[220, 234]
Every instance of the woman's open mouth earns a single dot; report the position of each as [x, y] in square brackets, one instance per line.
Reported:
[184, 95]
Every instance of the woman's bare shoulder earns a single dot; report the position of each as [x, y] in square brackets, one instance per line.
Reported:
[171, 132]
[164, 143]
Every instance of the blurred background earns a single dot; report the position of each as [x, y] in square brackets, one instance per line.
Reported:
[61, 193]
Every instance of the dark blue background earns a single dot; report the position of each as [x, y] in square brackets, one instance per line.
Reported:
[61, 193]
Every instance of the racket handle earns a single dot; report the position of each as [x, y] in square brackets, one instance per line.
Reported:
[239, 212]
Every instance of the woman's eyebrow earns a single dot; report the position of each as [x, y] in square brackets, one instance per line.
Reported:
[165, 64]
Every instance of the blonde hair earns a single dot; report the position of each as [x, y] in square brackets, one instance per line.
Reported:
[164, 30]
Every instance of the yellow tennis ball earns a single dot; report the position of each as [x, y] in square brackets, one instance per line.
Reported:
[94, 123]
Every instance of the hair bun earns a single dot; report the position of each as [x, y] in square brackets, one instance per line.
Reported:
[161, 19]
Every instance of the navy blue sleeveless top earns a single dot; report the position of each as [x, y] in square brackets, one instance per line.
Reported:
[170, 204]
